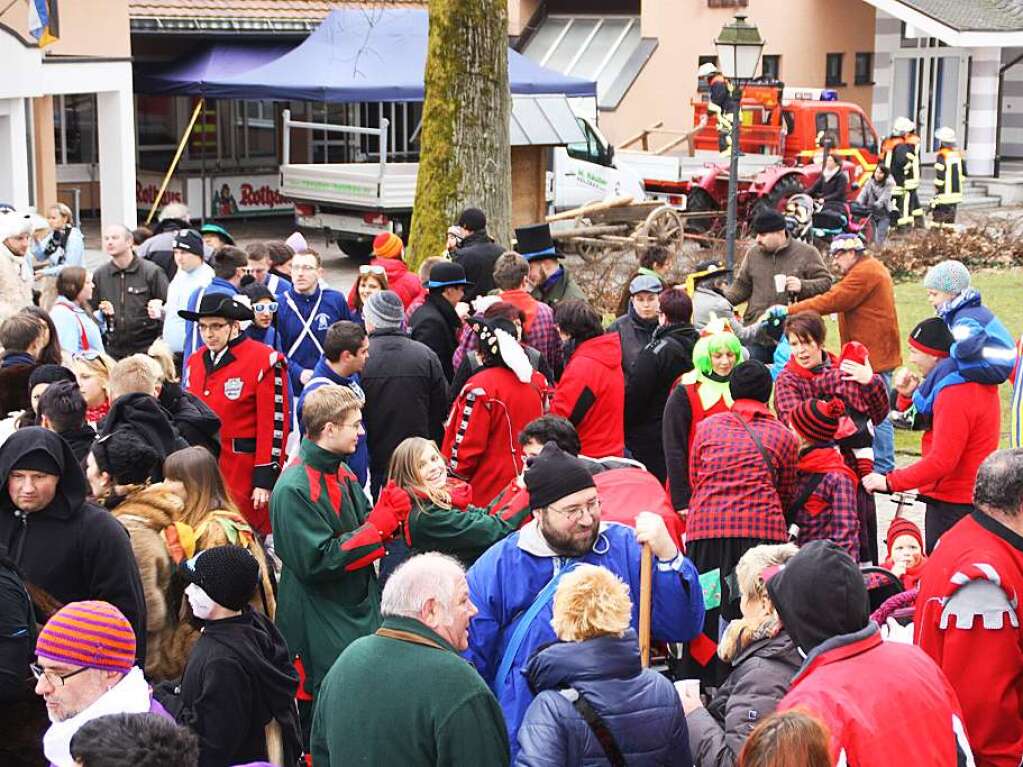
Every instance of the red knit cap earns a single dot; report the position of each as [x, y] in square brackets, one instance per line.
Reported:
[92, 634]
[854, 351]
[816, 419]
[903, 526]
[387, 245]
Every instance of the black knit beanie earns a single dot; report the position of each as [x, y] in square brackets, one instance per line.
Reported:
[126, 457]
[47, 374]
[751, 380]
[37, 460]
[932, 337]
[554, 474]
[228, 574]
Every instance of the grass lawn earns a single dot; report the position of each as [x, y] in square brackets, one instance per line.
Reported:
[1002, 292]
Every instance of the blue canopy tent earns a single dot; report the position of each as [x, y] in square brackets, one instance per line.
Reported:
[369, 54]
[188, 76]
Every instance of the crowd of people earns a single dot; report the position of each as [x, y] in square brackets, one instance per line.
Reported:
[247, 518]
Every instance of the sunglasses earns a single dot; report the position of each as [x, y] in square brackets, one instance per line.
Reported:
[88, 355]
[270, 306]
[371, 269]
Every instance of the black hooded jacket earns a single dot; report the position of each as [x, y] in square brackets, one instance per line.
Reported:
[72, 549]
[81, 440]
[658, 365]
[820, 594]
[196, 422]
[238, 677]
[147, 418]
[477, 255]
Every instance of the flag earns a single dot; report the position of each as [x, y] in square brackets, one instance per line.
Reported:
[42, 21]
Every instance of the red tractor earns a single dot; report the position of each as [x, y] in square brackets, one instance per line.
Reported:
[779, 138]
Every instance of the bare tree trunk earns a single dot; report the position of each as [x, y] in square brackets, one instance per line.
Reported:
[466, 158]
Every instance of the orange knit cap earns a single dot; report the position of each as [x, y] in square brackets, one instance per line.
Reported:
[387, 245]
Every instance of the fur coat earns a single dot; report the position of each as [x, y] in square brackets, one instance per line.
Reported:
[146, 513]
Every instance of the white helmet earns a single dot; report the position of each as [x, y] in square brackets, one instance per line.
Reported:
[706, 70]
[945, 135]
[903, 125]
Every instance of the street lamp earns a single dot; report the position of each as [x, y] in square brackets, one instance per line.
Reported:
[738, 47]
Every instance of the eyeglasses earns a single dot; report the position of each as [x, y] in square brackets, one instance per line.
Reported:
[573, 513]
[52, 677]
[270, 306]
[212, 327]
[371, 269]
[304, 268]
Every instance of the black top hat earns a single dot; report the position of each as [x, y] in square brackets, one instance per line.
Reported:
[535, 242]
[218, 305]
[444, 274]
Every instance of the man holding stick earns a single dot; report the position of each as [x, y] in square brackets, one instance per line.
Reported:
[513, 583]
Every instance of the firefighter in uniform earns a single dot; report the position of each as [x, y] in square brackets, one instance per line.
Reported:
[899, 154]
[948, 179]
[720, 105]
[246, 384]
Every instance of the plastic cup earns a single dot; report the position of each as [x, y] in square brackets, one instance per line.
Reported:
[689, 688]
[779, 283]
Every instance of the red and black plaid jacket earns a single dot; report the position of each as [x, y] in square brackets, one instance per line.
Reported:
[735, 495]
[796, 384]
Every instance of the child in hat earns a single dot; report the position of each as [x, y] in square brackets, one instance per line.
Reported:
[238, 689]
[905, 552]
[826, 505]
[855, 430]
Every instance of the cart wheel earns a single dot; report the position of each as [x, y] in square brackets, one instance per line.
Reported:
[665, 226]
[589, 252]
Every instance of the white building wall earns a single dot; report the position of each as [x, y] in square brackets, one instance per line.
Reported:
[982, 119]
[14, 181]
[1012, 104]
[887, 35]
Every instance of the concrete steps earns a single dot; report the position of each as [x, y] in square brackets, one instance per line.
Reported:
[976, 194]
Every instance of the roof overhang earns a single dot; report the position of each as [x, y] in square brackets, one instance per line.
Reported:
[184, 25]
[543, 120]
[956, 38]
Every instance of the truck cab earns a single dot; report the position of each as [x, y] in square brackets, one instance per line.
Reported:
[586, 171]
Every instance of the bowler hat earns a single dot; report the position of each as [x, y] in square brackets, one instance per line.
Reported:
[445, 274]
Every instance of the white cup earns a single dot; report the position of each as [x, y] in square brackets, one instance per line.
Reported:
[779, 283]
[689, 688]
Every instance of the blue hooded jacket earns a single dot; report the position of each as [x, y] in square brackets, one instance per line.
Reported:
[358, 461]
[504, 582]
[639, 706]
[982, 346]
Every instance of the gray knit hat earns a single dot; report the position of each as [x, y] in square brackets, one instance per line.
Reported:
[949, 277]
[384, 309]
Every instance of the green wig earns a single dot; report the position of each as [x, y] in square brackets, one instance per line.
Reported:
[716, 337]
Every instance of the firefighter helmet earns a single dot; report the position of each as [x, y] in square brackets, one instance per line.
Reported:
[945, 135]
[903, 125]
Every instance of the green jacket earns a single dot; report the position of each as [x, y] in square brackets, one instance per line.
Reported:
[563, 290]
[328, 594]
[409, 700]
[464, 535]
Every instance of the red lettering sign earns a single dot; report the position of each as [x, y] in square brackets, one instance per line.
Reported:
[263, 197]
[145, 194]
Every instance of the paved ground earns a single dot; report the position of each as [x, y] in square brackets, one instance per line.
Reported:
[340, 272]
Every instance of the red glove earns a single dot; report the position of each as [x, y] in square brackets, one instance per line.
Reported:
[390, 511]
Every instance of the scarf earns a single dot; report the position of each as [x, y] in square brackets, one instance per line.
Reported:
[969, 297]
[710, 388]
[551, 281]
[912, 576]
[945, 374]
[96, 414]
[810, 373]
[824, 458]
[129, 696]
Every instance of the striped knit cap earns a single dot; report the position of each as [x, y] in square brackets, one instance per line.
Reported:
[93, 634]
[816, 419]
[387, 245]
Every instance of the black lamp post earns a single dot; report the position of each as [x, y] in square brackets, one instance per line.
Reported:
[738, 47]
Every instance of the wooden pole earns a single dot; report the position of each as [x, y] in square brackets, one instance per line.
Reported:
[646, 574]
[174, 163]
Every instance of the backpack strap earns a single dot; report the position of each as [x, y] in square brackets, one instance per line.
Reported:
[760, 446]
[597, 725]
[799, 502]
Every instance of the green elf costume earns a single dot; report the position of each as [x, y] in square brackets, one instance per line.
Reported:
[328, 538]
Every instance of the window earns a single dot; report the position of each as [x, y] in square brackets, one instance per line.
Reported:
[864, 74]
[833, 70]
[828, 123]
[607, 49]
[402, 140]
[255, 129]
[156, 125]
[74, 129]
[770, 67]
[860, 134]
[590, 150]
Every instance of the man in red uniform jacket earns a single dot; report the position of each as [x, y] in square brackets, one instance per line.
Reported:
[246, 384]
[884, 703]
[495, 404]
[967, 613]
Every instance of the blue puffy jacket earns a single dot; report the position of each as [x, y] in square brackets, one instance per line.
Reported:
[983, 348]
[640, 708]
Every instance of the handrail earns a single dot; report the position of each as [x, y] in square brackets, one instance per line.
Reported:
[381, 133]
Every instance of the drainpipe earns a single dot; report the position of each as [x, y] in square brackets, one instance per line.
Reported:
[1001, 100]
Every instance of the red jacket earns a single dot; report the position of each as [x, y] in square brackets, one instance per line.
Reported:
[968, 602]
[591, 394]
[481, 435]
[885, 703]
[248, 389]
[965, 431]
[399, 279]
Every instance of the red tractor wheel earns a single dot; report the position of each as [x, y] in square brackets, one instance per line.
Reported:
[778, 196]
